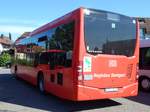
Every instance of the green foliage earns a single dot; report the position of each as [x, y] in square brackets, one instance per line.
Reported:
[22, 62]
[4, 58]
[10, 36]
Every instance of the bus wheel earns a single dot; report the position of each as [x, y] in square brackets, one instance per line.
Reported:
[145, 84]
[41, 83]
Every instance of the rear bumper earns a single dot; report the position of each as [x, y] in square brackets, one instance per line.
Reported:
[90, 93]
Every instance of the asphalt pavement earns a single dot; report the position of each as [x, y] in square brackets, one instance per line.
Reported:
[19, 96]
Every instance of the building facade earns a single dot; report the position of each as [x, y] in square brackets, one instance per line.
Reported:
[5, 43]
[144, 28]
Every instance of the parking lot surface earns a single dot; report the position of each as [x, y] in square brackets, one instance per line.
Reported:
[19, 96]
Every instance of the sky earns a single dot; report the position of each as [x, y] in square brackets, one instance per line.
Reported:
[18, 16]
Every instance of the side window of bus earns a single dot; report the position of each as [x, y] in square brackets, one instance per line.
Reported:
[69, 58]
[42, 43]
[62, 38]
[36, 59]
[52, 59]
[44, 59]
[29, 59]
[61, 58]
[145, 58]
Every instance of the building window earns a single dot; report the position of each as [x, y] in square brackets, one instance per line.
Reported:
[142, 33]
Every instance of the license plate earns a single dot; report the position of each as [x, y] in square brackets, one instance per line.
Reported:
[111, 89]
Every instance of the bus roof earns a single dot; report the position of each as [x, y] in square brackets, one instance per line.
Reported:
[60, 19]
[53, 23]
[144, 43]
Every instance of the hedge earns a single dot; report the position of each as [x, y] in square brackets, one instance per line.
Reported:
[4, 59]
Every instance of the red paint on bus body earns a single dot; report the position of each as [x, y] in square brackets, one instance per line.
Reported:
[103, 77]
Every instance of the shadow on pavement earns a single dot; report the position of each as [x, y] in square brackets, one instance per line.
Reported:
[142, 97]
[21, 93]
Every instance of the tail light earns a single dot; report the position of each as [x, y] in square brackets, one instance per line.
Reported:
[137, 71]
[80, 73]
[79, 69]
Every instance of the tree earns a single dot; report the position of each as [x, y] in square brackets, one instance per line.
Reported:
[10, 36]
[2, 35]
[4, 59]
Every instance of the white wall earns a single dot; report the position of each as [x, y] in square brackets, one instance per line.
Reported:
[1, 48]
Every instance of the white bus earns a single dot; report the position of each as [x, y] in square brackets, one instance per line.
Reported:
[144, 65]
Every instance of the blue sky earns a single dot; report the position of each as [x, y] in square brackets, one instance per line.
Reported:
[18, 16]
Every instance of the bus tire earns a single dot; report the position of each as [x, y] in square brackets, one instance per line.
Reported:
[144, 84]
[41, 83]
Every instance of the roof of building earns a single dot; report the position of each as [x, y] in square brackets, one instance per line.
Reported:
[5, 40]
[145, 23]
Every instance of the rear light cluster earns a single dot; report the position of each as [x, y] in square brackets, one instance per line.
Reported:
[129, 70]
[137, 71]
[80, 72]
[79, 69]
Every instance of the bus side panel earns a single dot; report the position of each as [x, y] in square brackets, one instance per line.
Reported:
[76, 61]
[69, 88]
[27, 73]
[64, 90]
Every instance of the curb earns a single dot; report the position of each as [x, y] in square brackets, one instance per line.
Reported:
[2, 67]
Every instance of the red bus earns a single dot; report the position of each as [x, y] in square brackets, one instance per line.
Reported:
[87, 54]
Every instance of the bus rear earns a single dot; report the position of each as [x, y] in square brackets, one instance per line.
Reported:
[108, 55]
